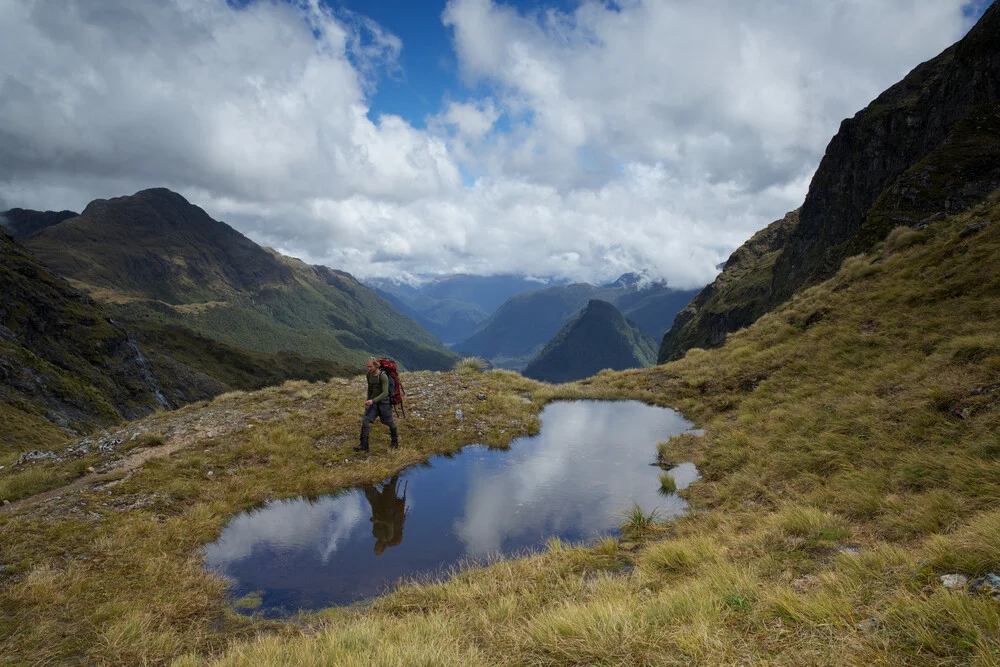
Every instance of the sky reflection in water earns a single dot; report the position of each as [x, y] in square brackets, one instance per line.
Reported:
[588, 464]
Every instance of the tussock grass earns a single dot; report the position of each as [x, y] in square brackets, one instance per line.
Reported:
[679, 556]
[902, 237]
[637, 522]
[468, 365]
[667, 483]
[34, 480]
[810, 524]
[153, 439]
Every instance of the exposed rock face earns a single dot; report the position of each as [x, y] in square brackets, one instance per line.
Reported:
[942, 106]
[599, 337]
[742, 293]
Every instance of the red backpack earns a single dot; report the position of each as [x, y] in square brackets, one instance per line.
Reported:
[395, 386]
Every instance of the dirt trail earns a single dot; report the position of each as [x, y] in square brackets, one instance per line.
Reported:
[122, 468]
[179, 429]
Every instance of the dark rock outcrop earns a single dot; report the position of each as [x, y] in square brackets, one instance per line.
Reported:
[23, 223]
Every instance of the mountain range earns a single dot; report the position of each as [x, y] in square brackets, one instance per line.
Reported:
[155, 258]
[521, 327]
[453, 307]
[848, 491]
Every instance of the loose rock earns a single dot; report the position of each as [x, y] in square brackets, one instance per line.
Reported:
[953, 581]
[986, 585]
[869, 624]
[34, 455]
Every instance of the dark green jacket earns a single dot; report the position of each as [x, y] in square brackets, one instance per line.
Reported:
[378, 387]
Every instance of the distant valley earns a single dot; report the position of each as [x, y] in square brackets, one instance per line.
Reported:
[522, 326]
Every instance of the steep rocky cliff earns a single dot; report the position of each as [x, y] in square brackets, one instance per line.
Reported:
[921, 147]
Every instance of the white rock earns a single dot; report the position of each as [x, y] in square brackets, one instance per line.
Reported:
[953, 581]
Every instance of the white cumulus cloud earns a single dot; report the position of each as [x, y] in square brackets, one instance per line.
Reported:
[613, 137]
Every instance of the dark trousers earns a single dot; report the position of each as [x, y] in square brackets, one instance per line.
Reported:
[382, 411]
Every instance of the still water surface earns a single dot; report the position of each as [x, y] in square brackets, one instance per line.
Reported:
[589, 463]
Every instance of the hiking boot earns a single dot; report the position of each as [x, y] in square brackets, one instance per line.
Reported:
[360, 448]
[394, 445]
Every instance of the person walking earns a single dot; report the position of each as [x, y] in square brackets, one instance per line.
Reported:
[378, 405]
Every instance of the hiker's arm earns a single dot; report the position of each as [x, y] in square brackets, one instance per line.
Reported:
[383, 381]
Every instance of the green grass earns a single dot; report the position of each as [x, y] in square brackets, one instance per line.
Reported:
[667, 483]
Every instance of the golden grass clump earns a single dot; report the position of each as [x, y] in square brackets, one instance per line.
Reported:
[679, 555]
[902, 237]
[470, 365]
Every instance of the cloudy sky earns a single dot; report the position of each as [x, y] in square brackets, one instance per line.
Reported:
[570, 138]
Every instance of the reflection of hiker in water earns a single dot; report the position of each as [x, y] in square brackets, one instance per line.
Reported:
[388, 514]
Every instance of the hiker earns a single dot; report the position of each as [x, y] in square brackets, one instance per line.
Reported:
[378, 405]
[388, 514]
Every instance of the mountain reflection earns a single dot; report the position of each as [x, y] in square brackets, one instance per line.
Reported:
[573, 480]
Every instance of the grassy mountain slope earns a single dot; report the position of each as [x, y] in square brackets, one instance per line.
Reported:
[598, 337]
[850, 459]
[65, 367]
[191, 367]
[155, 258]
[883, 151]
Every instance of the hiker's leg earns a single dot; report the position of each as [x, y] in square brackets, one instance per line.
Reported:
[385, 414]
[366, 420]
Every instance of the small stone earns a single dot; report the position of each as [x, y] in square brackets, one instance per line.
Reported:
[210, 473]
[974, 228]
[458, 415]
[481, 396]
[869, 625]
[91, 469]
[6, 502]
[953, 581]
